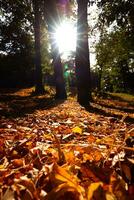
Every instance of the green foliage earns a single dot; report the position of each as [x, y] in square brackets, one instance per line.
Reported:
[115, 50]
[114, 57]
[118, 15]
[120, 11]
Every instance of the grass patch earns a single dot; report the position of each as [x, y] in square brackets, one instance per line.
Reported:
[123, 96]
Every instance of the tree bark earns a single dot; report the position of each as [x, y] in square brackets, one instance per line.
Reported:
[39, 87]
[82, 55]
[52, 19]
[99, 79]
[124, 70]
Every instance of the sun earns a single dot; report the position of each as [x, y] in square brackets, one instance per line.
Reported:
[66, 37]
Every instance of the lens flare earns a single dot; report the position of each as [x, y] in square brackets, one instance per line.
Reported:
[66, 37]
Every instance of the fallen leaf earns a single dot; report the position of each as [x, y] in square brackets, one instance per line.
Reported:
[18, 162]
[95, 191]
[77, 129]
[8, 195]
[91, 138]
[64, 191]
[59, 175]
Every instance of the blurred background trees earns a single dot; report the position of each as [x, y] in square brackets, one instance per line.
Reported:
[17, 44]
[114, 45]
[115, 49]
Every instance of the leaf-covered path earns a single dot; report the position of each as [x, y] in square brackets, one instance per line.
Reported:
[62, 151]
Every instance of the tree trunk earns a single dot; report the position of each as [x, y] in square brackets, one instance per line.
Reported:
[82, 55]
[125, 74]
[39, 88]
[52, 19]
[99, 79]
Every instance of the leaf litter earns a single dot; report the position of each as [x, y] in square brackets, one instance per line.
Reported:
[67, 153]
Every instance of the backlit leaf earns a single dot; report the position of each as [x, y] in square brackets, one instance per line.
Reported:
[77, 129]
[59, 175]
[95, 191]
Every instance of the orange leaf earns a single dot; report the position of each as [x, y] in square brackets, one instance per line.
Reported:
[70, 157]
[18, 163]
[91, 139]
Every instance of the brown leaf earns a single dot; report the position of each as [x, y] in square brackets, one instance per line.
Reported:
[87, 173]
[8, 195]
[61, 155]
[37, 163]
[127, 172]
[118, 187]
[29, 185]
[64, 191]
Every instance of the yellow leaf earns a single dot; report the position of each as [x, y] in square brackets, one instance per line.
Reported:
[87, 157]
[2, 167]
[98, 141]
[77, 129]
[95, 189]
[29, 143]
[60, 175]
[109, 140]
[15, 152]
[28, 136]
[110, 196]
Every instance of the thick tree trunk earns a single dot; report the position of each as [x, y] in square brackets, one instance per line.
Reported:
[82, 55]
[38, 70]
[52, 19]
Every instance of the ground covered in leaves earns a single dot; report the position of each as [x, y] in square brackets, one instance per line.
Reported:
[58, 150]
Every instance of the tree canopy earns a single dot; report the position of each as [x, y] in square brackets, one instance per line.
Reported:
[115, 50]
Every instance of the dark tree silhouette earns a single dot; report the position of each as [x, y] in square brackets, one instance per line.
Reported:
[82, 55]
[52, 19]
[37, 21]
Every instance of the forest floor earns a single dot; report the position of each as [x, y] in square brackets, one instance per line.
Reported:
[60, 150]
